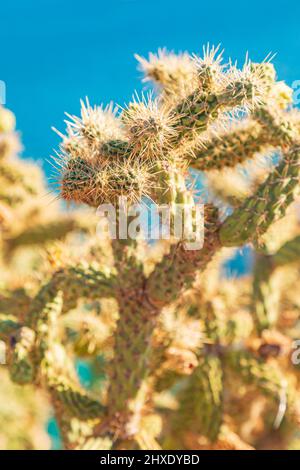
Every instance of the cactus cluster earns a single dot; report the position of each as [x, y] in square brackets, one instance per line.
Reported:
[181, 356]
[31, 228]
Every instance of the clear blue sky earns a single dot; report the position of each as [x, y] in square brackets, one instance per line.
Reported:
[53, 52]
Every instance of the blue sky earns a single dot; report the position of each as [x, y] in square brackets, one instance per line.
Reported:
[55, 52]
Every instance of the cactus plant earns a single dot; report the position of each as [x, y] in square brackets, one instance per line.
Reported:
[181, 347]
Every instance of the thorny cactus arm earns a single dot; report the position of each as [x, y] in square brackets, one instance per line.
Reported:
[288, 253]
[178, 269]
[243, 141]
[82, 281]
[265, 294]
[30, 344]
[201, 400]
[15, 302]
[76, 409]
[41, 234]
[129, 368]
[236, 146]
[76, 401]
[173, 73]
[31, 354]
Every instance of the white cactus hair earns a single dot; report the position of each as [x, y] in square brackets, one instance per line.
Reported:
[85, 134]
[148, 126]
[96, 123]
[163, 64]
[252, 82]
[210, 64]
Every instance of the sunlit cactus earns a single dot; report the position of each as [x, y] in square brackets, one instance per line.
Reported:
[180, 355]
[29, 214]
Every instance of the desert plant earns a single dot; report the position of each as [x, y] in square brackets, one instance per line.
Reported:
[188, 358]
[31, 222]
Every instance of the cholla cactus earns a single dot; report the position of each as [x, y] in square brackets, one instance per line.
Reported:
[186, 359]
[30, 221]
[29, 217]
